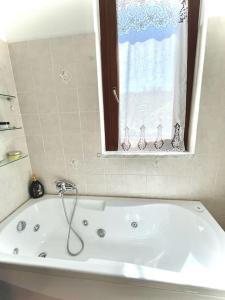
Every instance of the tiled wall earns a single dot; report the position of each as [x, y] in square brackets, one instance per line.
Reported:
[61, 120]
[14, 177]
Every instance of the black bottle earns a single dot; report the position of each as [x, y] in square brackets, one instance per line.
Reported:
[36, 188]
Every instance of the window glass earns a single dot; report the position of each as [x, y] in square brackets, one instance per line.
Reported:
[152, 64]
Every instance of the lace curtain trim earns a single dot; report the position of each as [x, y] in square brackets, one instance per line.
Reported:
[176, 144]
[139, 20]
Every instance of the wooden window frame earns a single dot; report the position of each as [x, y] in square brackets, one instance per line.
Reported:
[110, 73]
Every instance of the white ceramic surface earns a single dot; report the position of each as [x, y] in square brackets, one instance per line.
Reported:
[175, 241]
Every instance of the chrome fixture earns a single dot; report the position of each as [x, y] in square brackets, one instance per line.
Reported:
[65, 186]
[85, 222]
[36, 227]
[101, 232]
[42, 254]
[134, 224]
[21, 226]
[16, 251]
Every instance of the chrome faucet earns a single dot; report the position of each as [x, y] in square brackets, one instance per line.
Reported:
[65, 186]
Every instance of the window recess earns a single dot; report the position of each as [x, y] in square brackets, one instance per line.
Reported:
[148, 52]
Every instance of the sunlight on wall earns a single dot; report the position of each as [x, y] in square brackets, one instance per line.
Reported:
[34, 19]
[215, 8]
[12, 12]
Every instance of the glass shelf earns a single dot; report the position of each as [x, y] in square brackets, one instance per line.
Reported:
[7, 161]
[7, 97]
[11, 128]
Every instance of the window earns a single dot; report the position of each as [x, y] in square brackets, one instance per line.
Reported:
[148, 50]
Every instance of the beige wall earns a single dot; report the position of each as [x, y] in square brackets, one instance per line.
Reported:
[61, 122]
[14, 177]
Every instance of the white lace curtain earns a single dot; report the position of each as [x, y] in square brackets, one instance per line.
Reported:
[152, 74]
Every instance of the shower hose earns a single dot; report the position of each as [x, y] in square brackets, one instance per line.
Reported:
[71, 229]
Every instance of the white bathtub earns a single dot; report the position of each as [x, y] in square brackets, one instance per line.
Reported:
[173, 242]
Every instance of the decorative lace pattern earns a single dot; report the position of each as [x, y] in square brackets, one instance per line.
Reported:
[177, 144]
[183, 11]
[159, 141]
[176, 139]
[126, 144]
[142, 142]
[149, 18]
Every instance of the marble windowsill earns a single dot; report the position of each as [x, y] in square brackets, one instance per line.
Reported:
[118, 154]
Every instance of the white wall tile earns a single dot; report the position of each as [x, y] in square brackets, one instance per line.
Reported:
[96, 184]
[84, 46]
[43, 76]
[94, 166]
[63, 49]
[88, 98]
[87, 71]
[35, 144]
[115, 184]
[66, 75]
[72, 143]
[23, 75]
[135, 166]
[32, 124]
[70, 122]
[19, 52]
[50, 123]
[53, 144]
[114, 166]
[37, 49]
[169, 187]
[91, 144]
[90, 121]
[28, 103]
[135, 184]
[47, 101]
[67, 100]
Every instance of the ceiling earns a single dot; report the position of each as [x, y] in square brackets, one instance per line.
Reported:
[22, 20]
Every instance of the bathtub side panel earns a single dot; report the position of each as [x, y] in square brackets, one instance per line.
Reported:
[51, 287]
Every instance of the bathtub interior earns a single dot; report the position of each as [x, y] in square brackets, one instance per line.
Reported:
[162, 235]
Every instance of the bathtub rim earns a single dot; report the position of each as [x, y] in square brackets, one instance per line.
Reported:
[129, 201]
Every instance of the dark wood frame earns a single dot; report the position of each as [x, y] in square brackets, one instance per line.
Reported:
[110, 74]
[193, 15]
[109, 56]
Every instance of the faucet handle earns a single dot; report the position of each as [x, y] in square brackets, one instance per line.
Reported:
[59, 184]
[64, 186]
